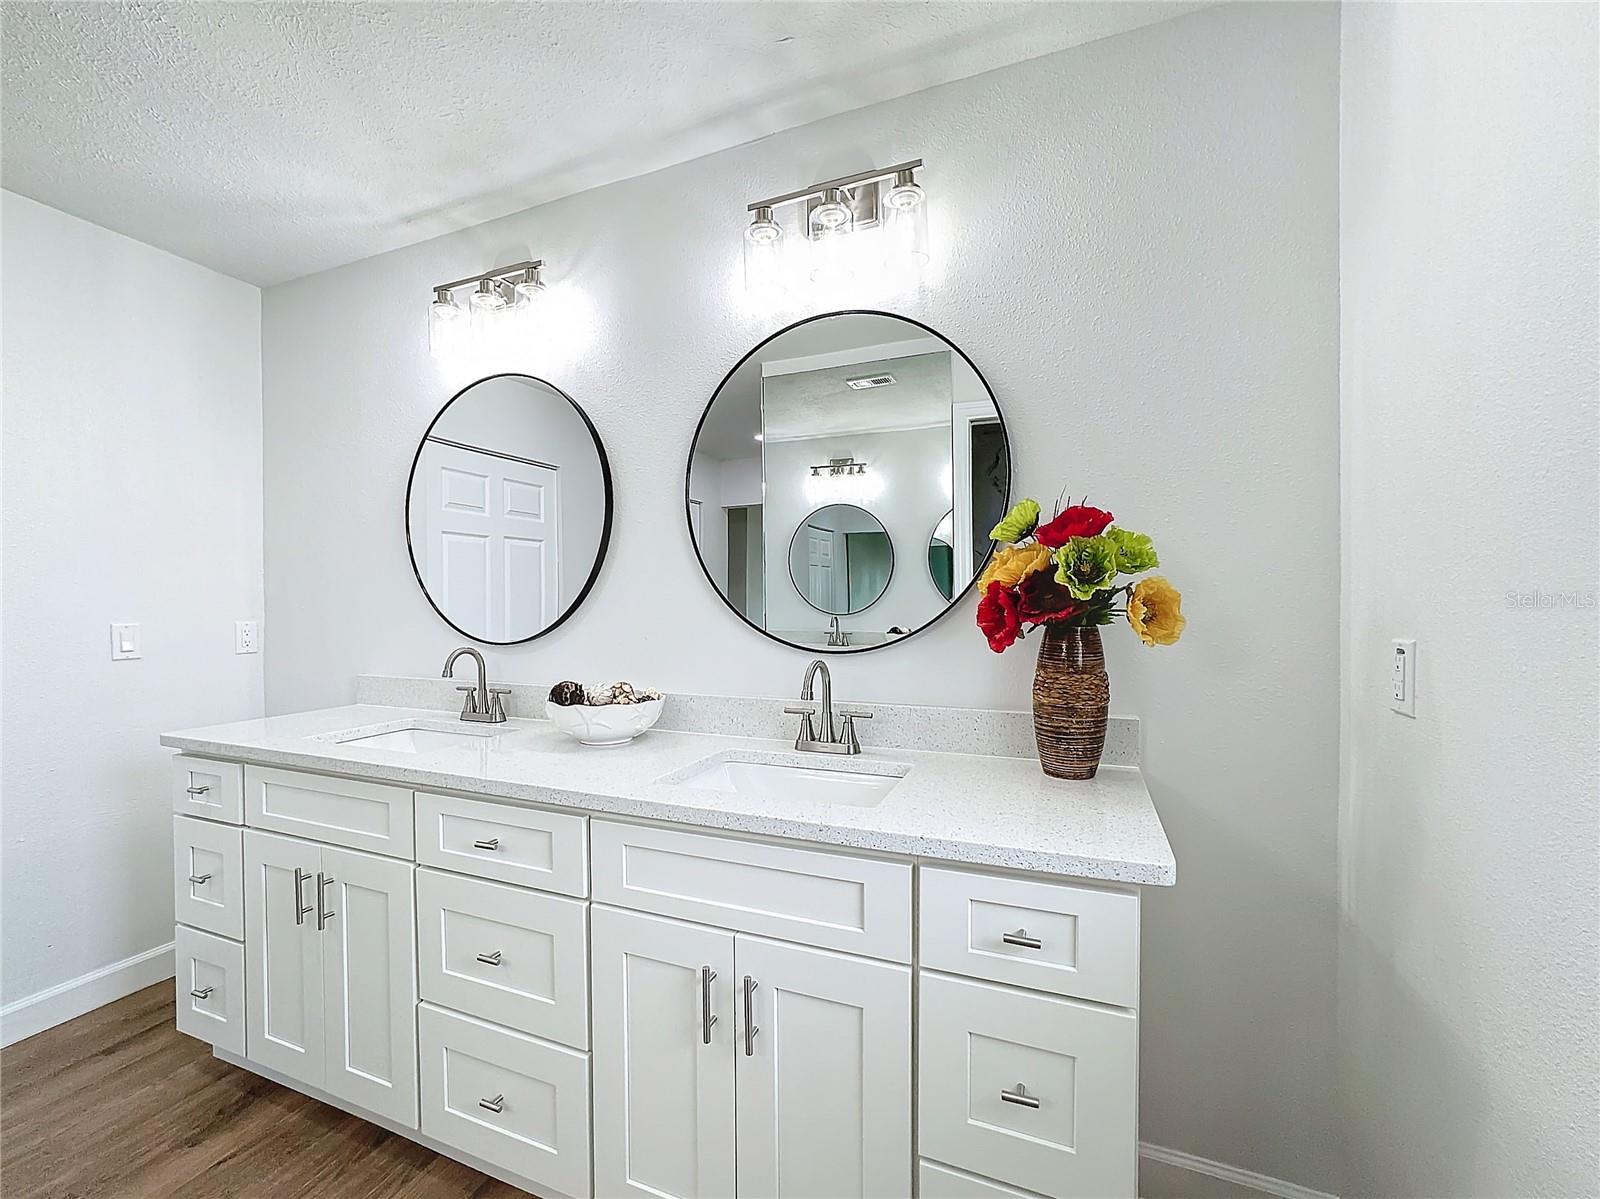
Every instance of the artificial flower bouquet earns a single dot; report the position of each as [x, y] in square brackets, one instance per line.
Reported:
[1065, 571]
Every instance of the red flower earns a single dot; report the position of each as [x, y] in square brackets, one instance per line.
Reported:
[1080, 520]
[1042, 600]
[997, 617]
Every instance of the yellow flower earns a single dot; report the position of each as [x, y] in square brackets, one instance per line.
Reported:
[1013, 563]
[1153, 611]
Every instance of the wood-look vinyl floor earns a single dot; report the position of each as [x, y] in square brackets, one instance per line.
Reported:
[118, 1104]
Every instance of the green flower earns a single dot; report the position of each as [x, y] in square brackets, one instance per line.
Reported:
[1086, 565]
[1018, 523]
[1134, 550]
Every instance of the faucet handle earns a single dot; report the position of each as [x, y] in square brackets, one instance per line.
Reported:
[808, 731]
[497, 707]
[470, 702]
[855, 715]
[847, 730]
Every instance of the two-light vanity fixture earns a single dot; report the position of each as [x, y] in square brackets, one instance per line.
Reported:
[830, 231]
[498, 302]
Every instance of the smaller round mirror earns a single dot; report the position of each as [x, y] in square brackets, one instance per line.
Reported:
[508, 509]
[841, 559]
[942, 555]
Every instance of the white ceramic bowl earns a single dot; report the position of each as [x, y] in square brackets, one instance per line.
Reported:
[604, 724]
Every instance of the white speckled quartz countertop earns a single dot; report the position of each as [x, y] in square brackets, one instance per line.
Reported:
[952, 807]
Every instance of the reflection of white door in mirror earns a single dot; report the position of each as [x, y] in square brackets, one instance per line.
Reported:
[490, 542]
[822, 587]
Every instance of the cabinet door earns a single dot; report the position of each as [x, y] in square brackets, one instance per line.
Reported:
[663, 1057]
[824, 1073]
[367, 914]
[283, 971]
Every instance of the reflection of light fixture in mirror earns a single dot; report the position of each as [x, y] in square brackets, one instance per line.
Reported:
[842, 481]
[763, 253]
[482, 322]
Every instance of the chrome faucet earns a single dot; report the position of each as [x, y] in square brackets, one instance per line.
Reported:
[831, 741]
[483, 703]
[837, 636]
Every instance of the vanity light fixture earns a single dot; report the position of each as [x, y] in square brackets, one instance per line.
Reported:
[877, 218]
[839, 466]
[494, 296]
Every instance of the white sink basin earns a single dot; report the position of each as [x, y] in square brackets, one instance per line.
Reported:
[414, 739]
[798, 780]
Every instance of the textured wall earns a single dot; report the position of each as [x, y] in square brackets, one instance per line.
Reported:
[132, 476]
[1469, 836]
[1149, 282]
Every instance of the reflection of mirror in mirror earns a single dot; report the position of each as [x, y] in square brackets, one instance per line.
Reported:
[508, 510]
[941, 555]
[852, 413]
[840, 559]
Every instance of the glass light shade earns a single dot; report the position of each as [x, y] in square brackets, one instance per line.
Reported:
[832, 215]
[764, 256]
[446, 325]
[526, 293]
[905, 193]
[905, 235]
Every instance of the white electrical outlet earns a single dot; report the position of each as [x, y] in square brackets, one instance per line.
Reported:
[1403, 678]
[246, 637]
[124, 642]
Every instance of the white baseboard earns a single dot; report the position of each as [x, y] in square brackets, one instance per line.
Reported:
[1172, 1174]
[68, 1000]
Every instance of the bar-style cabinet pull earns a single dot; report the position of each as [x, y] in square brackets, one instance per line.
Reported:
[1020, 1097]
[750, 1028]
[495, 1105]
[490, 959]
[324, 917]
[1021, 937]
[197, 790]
[199, 880]
[490, 843]
[301, 908]
[201, 992]
[707, 1016]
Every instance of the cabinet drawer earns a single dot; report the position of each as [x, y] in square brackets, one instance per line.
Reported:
[526, 846]
[941, 1182]
[1069, 1129]
[1049, 936]
[515, 1101]
[208, 876]
[516, 957]
[859, 905]
[214, 790]
[347, 812]
[210, 974]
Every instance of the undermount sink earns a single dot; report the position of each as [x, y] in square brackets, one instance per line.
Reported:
[414, 738]
[797, 780]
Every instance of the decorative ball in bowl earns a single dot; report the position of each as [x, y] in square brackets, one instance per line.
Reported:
[611, 714]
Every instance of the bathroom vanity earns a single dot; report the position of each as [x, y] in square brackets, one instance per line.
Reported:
[697, 965]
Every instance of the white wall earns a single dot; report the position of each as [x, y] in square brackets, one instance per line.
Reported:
[1468, 958]
[132, 492]
[1137, 244]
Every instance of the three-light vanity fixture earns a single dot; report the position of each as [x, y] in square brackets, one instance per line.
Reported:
[830, 231]
[496, 302]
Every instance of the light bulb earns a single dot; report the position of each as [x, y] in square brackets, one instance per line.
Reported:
[832, 214]
[905, 193]
[527, 293]
[488, 298]
[444, 306]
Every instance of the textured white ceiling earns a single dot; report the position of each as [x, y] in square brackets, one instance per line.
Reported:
[273, 140]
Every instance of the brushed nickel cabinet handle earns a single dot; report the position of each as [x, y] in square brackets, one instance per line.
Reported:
[707, 1016]
[199, 879]
[1020, 1097]
[324, 916]
[492, 843]
[197, 790]
[495, 1105]
[490, 959]
[301, 909]
[1021, 937]
[201, 992]
[750, 1028]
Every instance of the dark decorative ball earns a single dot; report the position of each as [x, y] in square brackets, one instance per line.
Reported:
[566, 695]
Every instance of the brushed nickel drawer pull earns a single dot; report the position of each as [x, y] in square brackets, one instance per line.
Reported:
[1020, 1097]
[492, 843]
[197, 790]
[199, 879]
[707, 1016]
[201, 992]
[324, 915]
[490, 959]
[301, 910]
[495, 1105]
[750, 1028]
[1021, 937]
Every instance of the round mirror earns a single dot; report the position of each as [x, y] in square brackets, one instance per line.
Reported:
[829, 447]
[942, 556]
[508, 509]
[841, 559]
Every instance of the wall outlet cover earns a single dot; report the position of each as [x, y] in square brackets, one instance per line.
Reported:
[246, 637]
[1403, 677]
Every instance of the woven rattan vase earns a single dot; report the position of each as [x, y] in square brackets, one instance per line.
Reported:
[1071, 696]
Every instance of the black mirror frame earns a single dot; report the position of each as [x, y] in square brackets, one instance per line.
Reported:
[688, 469]
[605, 528]
[795, 583]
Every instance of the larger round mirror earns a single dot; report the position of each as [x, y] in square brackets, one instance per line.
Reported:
[508, 509]
[831, 450]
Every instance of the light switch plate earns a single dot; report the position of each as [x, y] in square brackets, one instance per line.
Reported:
[1403, 678]
[246, 637]
[125, 642]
